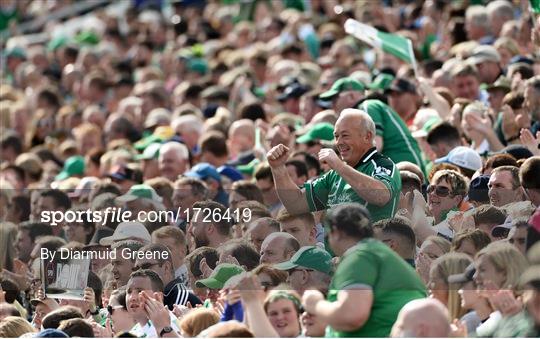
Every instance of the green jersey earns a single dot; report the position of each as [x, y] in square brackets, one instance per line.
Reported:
[371, 264]
[331, 189]
[398, 142]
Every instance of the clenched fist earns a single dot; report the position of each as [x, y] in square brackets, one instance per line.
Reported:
[329, 157]
[278, 156]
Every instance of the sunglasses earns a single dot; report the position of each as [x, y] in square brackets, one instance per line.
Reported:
[440, 191]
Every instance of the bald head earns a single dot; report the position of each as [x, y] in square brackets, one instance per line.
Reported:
[359, 118]
[278, 247]
[241, 136]
[260, 229]
[423, 318]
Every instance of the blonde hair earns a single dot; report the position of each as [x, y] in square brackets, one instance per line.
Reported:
[197, 321]
[458, 182]
[14, 327]
[508, 259]
[8, 233]
[445, 266]
[442, 243]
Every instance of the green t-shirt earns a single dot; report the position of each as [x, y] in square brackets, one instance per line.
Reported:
[393, 282]
[331, 189]
[399, 144]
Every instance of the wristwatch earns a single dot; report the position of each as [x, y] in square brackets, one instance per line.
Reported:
[165, 330]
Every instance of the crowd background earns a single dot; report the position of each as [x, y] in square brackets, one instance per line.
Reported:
[238, 106]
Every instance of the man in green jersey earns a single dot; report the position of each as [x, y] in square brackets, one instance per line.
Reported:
[371, 283]
[393, 139]
[360, 174]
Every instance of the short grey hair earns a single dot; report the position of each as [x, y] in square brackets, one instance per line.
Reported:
[501, 8]
[188, 122]
[478, 16]
[367, 122]
[177, 147]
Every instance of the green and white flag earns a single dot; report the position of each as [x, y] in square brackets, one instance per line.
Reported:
[390, 43]
[535, 6]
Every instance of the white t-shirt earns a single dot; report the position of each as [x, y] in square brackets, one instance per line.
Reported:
[149, 331]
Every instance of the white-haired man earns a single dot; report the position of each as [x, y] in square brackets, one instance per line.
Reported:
[173, 160]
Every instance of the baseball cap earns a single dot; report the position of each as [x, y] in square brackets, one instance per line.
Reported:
[294, 90]
[517, 151]
[311, 257]
[478, 189]
[243, 158]
[150, 152]
[127, 230]
[29, 162]
[502, 83]
[141, 191]
[464, 277]
[15, 52]
[230, 172]
[161, 134]
[462, 156]
[87, 38]
[320, 131]
[343, 84]
[121, 172]
[203, 171]
[248, 169]
[50, 303]
[501, 231]
[428, 126]
[51, 333]
[73, 166]
[484, 53]
[83, 187]
[381, 81]
[402, 85]
[157, 116]
[221, 274]
[531, 277]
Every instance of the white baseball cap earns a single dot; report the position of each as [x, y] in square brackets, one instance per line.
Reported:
[128, 230]
[464, 157]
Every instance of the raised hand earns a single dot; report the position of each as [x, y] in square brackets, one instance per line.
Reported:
[310, 300]
[528, 140]
[278, 156]
[329, 157]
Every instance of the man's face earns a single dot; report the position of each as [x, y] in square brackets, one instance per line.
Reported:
[134, 303]
[23, 245]
[487, 71]
[256, 234]
[404, 103]
[496, 98]
[121, 269]
[197, 229]
[466, 86]
[41, 311]
[299, 229]
[46, 204]
[266, 186]
[171, 165]
[532, 101]
[518, 238]
[150, 168]
[501, 191]
[178, 251]
[298, 278]
[274, 251]
[183, 197]
[351, 140]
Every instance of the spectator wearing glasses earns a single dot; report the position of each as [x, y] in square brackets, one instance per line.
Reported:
[445, 193]
[158, 258]
[120, 319]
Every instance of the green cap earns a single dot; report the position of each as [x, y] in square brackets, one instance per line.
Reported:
[15, 52]
[161, 134]
[150, 152]
[57, 42]
[311, 257]
[343, 84]
[140, 191]
[248, 169]
[221, 274]
[197, 65]
[73, 166]
[428, 126]
[381, 82]
[87, 38]
[320, 131]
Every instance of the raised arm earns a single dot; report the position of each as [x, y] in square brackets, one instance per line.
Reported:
[292, 197]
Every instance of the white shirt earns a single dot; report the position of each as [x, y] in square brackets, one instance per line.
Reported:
[149, 331]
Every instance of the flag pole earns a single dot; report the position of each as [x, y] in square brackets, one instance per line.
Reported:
[413, 58]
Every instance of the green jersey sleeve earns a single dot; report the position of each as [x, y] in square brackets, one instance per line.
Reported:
[317, 192]
[376, 112]
[387, 173]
